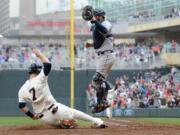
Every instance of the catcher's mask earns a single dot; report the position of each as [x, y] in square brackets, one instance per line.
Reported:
[99, 12]
[34, 69]
[98, 78]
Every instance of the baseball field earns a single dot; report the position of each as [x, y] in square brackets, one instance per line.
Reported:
[116, 126]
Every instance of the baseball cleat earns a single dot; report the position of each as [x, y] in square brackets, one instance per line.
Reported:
[100, 126]
[103, 126]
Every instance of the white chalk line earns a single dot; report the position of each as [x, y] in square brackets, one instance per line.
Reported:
[121, 120]
[115, 124]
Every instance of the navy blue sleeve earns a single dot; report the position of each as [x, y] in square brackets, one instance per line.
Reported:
[22, 105]
[100, 27]
[47, 68]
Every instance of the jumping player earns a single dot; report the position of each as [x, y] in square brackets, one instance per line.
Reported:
[36, 91]
[103, 45]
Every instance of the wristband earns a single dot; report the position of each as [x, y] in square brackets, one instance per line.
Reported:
[29, 114]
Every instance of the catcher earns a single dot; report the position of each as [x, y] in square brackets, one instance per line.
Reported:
[103, 45]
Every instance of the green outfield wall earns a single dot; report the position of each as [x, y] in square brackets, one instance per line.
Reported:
[146, 112]
[59, 83]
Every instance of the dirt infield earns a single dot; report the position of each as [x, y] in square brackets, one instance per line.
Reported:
[115, 127]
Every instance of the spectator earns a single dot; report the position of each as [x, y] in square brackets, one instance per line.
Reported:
[141, 104]
[156, 50]
[171, 103]
[157, 102]
[151, 101]
[163, 101]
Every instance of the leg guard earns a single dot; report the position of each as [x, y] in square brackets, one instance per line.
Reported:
[106, 86]
[102, 93]
[102, 87]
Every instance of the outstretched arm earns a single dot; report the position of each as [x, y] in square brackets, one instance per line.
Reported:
[44, 59]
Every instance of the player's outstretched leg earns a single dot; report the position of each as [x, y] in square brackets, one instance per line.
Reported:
[65, 117]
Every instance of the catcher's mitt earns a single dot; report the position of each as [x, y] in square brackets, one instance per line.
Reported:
[87, 13]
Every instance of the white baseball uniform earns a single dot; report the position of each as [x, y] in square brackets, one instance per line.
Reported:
[36, 91]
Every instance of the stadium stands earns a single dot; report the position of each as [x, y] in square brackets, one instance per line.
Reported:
[128, 56]
[139, 11]
[148, 90]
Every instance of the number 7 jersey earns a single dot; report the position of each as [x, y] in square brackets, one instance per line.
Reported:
[36, 91]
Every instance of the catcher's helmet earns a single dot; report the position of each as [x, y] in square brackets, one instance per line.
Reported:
[99, 12]
[34, 68]
[98, 78]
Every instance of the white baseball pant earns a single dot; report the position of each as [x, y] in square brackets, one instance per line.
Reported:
[104, 63]
[66, 113]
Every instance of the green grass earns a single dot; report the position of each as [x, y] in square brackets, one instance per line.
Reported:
[175, 121]
[83, 123]
[25, 121]
[18, 121]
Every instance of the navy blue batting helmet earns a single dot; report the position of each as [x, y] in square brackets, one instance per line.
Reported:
[34, 68]
[99, 12]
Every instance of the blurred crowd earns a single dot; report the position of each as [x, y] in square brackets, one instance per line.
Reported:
[173, 13]
[146, 15]
[22, 56]
[141, 15]
[127, 55]
[147, 90]
[134, 53]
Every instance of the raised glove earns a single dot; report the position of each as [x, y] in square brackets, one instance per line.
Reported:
[87, 13]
